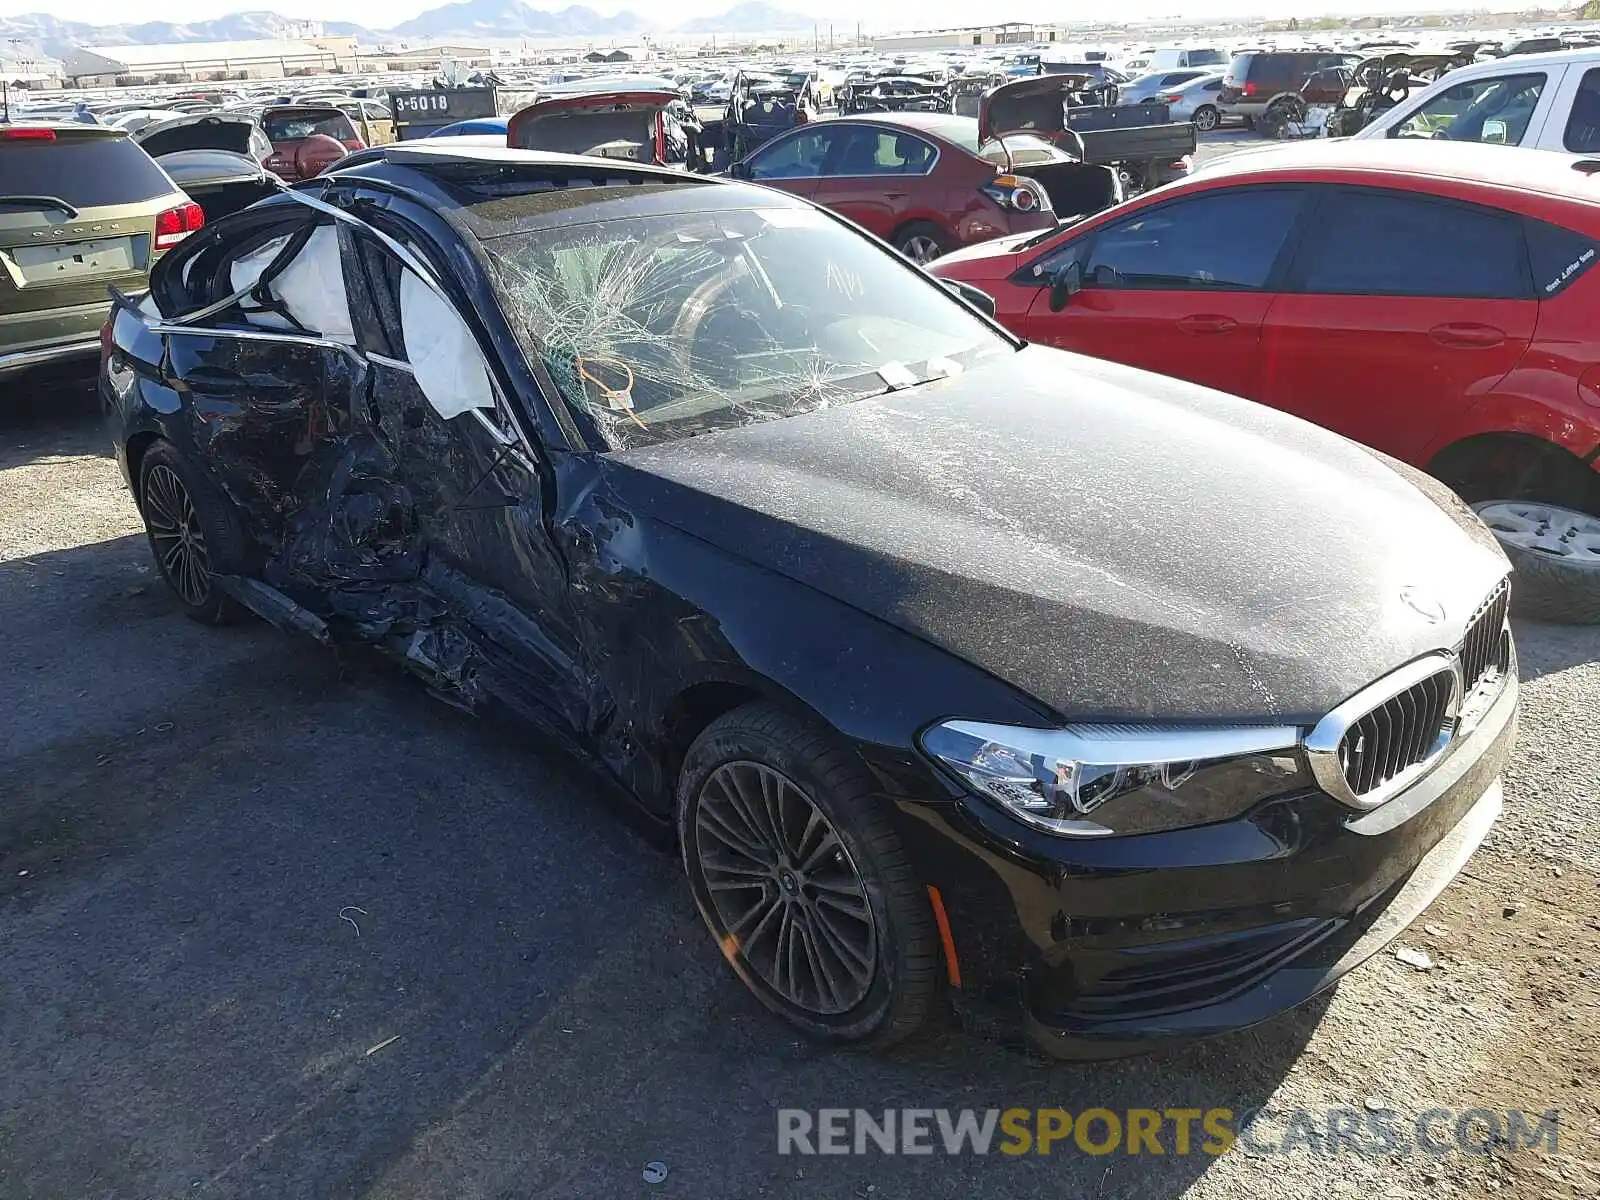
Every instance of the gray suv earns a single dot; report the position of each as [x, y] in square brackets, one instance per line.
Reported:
[81, 208]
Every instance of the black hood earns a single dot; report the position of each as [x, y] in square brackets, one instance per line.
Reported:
[1116, 544]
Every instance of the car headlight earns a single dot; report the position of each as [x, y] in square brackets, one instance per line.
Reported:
[1101, 780]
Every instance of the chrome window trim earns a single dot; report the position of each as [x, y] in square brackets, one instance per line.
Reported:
[1322, 743]
[256, 335]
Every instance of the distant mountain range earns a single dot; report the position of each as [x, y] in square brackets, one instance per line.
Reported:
[464, 20]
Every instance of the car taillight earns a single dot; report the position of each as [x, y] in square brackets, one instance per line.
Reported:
[1170, 97]
[178, 223]
[107, 343]
[1248, 88]
[1017, 194]
[27, 135]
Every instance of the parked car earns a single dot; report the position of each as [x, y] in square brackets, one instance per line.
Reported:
[760, 107]
[755, 516]
[475, 127]
[236, 133]
[1139, 141]
[648, 126]
[1194, 101]
[1147, 87]
[1211, 58]
[1284, 82]
[307, 139]
[219, 181]
[1540, 102]
[81, 207]
[1431, 300]
[926, 182]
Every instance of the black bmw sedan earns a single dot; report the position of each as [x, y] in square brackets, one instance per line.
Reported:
[1107, 709]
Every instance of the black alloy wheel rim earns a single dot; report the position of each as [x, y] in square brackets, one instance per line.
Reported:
[175, 531]
[788, 897]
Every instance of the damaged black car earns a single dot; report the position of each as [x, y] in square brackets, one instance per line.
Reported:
[1102, 708]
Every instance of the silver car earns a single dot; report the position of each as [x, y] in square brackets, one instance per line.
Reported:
[1147, 87]
[1195, 100]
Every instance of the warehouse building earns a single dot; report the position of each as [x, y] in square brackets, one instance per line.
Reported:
[186, 62]
[1015, 33]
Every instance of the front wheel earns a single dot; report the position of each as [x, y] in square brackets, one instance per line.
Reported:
[802, 880]
[1555, 553]
[1206, 118]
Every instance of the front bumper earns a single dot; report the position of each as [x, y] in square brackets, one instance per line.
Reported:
[1097, 949]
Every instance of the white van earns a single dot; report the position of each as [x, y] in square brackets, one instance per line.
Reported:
[1196, 56]
[1540, 101]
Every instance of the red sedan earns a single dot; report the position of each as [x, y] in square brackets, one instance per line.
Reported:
[1434, 300]
[925, 182]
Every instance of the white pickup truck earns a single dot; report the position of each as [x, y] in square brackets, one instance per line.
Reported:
[1541, 101]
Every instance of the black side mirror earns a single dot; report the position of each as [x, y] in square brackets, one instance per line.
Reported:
[739, 170]
[977, 297]
[1067, 283]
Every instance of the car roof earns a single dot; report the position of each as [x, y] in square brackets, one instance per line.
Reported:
[1553, 58]
[949, 126]
[1538, 171]
[449, 150]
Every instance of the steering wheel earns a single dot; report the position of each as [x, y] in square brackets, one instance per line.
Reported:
[693, 318]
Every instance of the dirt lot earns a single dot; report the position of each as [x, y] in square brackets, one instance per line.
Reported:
[276, 925]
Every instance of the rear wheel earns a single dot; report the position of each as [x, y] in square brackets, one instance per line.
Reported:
[194, 533]
[921, 241]
[802, 880]
[1206, 118]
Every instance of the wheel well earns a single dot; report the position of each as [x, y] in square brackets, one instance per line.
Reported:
[688, 715]
[138, 445]
[1516, 466]
[905, 226]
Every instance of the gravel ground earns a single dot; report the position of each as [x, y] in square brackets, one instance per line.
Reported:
[276, 924]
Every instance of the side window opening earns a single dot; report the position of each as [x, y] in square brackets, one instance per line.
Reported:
[1223, 240]
[1397, 244]
[1558, 257]
[296, 285]
[1582, 134]
[422, 329]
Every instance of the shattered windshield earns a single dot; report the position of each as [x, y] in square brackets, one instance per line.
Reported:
[662, 327]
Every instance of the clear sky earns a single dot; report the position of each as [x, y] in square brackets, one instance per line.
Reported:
[875, 14]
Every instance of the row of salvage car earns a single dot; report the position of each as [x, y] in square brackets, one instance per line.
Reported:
[1105, 709]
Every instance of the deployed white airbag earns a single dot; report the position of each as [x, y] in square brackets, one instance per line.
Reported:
[311, 287]
[444, 356]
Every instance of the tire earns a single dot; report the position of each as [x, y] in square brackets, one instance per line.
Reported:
[1207, 118]
[1555, 556]
[743, 767]
[1280, 115]
[921, 241]
[194, 533]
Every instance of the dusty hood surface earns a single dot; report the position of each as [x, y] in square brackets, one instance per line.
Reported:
[1116, 544]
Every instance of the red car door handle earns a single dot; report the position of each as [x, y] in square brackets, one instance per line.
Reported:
[1207, 323]
[1467, 335]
